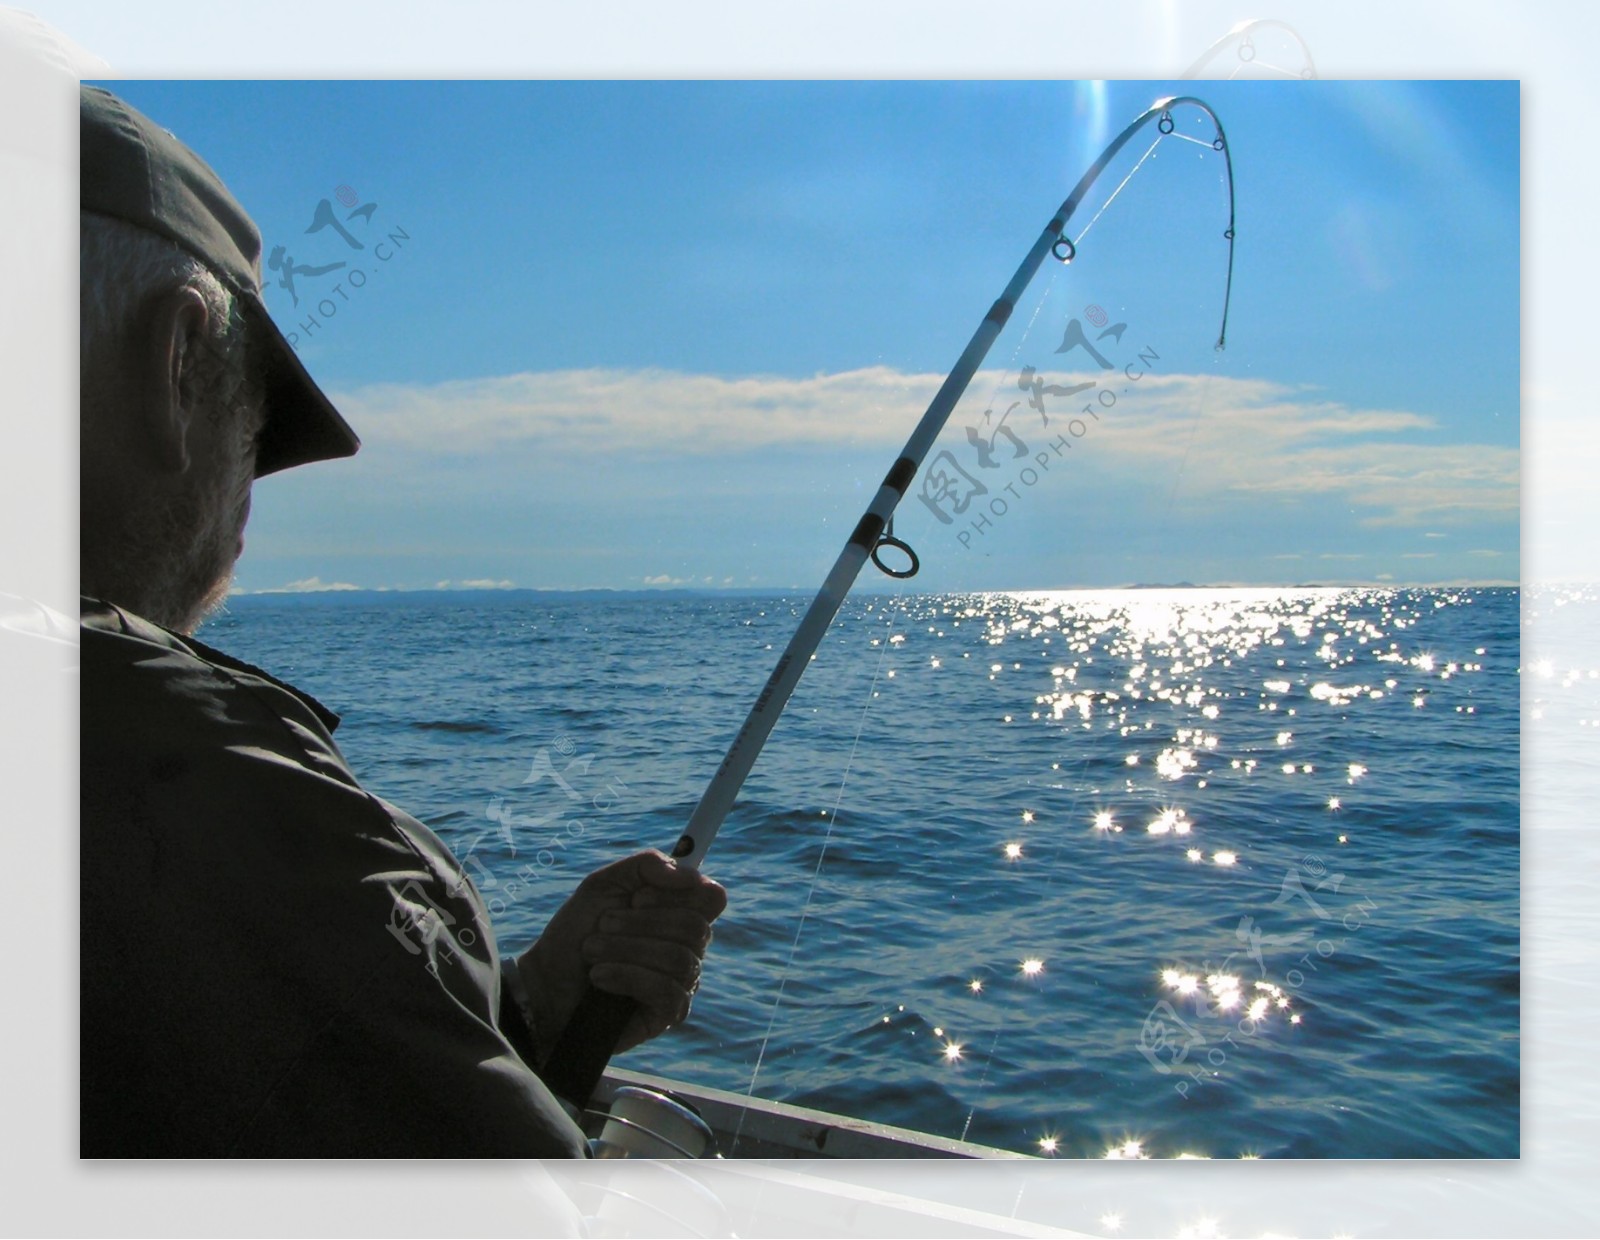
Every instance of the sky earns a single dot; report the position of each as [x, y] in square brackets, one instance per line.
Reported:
[655, 334]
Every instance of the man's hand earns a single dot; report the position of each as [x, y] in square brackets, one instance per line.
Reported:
[637, 927]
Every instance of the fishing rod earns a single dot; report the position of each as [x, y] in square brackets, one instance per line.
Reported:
[587, 1043]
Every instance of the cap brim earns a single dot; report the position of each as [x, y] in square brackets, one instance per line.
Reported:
[302, 425]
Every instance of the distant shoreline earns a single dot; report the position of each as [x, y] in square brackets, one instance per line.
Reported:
[363, 595]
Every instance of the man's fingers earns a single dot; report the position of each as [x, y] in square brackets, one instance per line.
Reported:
[674, 961]
[665, 999]
[707, 899]
[674, 925]
[653, 880]
[664, 877]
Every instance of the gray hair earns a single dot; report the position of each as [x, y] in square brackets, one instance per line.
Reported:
[120, 268]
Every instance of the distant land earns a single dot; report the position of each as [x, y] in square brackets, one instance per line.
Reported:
[520, 593]
[364, 597]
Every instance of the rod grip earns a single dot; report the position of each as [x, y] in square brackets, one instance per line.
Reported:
[586, 1045]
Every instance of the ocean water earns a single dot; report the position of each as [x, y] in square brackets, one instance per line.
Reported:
[1227, 872]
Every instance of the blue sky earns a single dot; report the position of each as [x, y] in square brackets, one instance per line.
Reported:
[674, 333]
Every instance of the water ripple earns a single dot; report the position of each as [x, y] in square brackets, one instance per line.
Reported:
[1306, 801]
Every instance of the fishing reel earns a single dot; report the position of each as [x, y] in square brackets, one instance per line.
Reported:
[645, 1123]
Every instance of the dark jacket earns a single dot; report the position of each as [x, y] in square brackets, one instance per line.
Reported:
[275, 962]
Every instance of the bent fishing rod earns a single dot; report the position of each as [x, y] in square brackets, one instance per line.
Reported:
[590, 1038]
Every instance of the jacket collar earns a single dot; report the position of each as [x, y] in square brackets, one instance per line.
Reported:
[97, 613]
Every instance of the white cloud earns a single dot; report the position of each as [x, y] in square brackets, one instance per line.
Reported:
[306, 585]
[609, 411]
[662, 579]
[1221, 436]
[1259, 437]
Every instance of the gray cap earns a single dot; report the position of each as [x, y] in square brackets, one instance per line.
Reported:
[135, 171]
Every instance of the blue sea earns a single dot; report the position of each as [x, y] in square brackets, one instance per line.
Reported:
[1140, 873]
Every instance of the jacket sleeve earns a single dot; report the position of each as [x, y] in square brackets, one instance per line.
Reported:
[274, 961]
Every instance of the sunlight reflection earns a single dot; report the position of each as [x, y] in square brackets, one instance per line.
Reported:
[1132, 694]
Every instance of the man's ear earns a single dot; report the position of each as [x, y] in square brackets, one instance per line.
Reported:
[175, 324]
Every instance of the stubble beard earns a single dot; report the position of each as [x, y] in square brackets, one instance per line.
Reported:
[180, 564]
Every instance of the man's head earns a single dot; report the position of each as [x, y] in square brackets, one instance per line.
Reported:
[189, 392]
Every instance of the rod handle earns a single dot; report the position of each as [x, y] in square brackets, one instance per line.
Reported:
[575, 1066]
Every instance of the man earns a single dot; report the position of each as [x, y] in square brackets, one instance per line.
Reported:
[275, 961]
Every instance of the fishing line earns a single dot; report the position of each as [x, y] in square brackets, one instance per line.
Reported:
[1151, 151]
[1183, 137]
[1201, 414]
[805, 911]
[994, 1044]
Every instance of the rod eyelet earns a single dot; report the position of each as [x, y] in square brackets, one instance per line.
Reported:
[889, 540]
